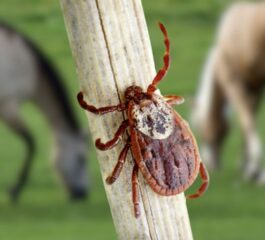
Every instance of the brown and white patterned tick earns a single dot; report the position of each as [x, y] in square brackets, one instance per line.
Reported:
[161, 142]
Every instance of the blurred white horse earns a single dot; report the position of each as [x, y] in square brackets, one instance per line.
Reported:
[234, 75]
[26, 75]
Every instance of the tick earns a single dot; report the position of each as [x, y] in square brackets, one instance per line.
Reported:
[161, 142]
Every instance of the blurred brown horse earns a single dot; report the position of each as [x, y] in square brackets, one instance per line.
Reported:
[27, 75]
[234, 75]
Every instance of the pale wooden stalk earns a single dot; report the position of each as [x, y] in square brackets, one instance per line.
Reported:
[112, 50]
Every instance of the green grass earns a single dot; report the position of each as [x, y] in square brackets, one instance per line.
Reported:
[231, 209]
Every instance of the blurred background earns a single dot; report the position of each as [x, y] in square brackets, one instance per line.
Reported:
[231, 209]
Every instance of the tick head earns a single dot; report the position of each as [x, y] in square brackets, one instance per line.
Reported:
[134, 93]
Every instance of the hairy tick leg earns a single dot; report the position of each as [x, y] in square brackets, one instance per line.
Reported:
[205, 182]
[174, 100]
[117, 170]
[162, 72]
[117, 137]
[135, 193]
[99, 111]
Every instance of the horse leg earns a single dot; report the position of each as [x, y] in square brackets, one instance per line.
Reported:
[253, 102]
[209, 115]
[214, 128]
[238, 96]
[11, 117]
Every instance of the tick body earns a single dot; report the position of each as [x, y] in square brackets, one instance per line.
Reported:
[161, 142]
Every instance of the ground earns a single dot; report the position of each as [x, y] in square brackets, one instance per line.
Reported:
[231, 209]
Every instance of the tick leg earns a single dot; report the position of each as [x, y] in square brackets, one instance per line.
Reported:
[117, 137]
[99, 111]
[135, 193]
[162, 72]
[174, 100]
[117, 170]
[205, 182]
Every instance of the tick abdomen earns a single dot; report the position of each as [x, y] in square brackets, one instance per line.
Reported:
[169, 165]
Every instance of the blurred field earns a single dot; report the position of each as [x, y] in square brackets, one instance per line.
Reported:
[231, 209]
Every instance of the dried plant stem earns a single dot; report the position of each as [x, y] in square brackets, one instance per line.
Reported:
[112, 50]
